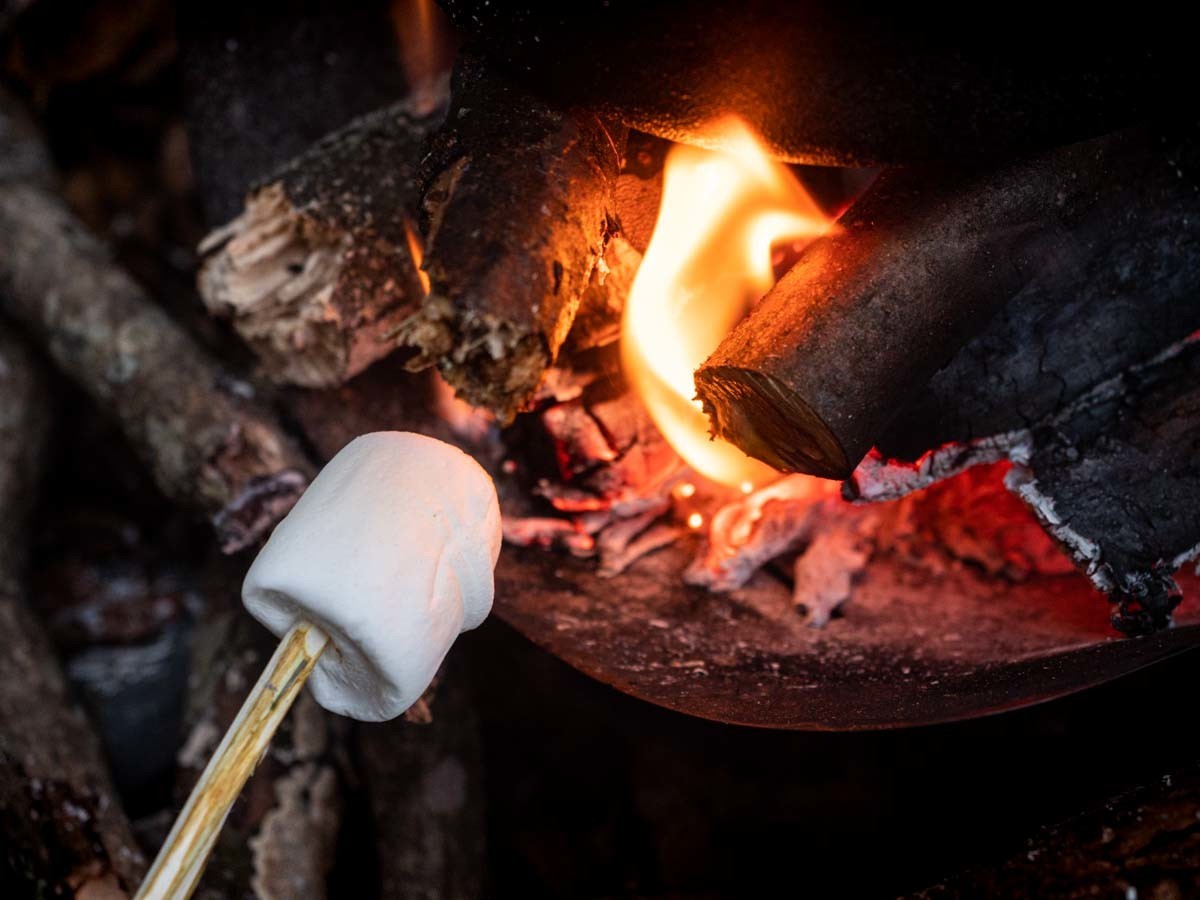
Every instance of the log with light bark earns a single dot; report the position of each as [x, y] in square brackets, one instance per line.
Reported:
[62, 829]
[319, 268]
[518, 199]
[817, 372]
[205, 438]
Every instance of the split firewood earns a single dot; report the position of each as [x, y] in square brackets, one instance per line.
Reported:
[61, 825]
[322, 265]
[208, 443]
[811, 379]
[518, 200]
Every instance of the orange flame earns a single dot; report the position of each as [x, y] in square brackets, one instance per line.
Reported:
[708, 262]
[417, 252]
[427, 47]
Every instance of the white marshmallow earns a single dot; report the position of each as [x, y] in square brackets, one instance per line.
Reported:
[390, 551]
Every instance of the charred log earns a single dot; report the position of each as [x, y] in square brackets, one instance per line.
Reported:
[319, 268]
[832, 85]
[242, 63]
[205, 439]
[61, 826]
[1117, 483]
[1121, 285]
[518, 198]
[811, 379]
[1143, 843]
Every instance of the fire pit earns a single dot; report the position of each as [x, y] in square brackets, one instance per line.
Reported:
[838, 409]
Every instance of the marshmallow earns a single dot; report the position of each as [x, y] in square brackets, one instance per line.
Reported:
[390, 551]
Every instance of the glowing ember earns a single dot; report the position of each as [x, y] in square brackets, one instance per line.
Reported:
[709, 260]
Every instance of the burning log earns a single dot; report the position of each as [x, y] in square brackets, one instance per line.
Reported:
[1120, 287]
[1115, 482]
[815, 374]
[207, 443]
[61, 826]
[832, 85]
[320, 266]
[518, 199]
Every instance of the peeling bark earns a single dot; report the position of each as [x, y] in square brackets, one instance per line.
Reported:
[319, 269]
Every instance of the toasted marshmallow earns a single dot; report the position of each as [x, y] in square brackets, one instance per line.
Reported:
[390, 551]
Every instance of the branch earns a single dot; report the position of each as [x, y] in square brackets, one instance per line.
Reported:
[207, 443]
[61, 825]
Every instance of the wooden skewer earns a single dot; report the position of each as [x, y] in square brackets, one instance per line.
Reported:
[180, 862]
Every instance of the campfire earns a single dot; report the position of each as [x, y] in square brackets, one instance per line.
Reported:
[814, 398]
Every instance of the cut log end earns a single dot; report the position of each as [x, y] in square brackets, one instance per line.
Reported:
[489, 363]
[518, 208]
[314, 311]
[770, 423]
[319, 269]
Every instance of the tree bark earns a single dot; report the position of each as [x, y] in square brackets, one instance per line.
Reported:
[207, 441]
[322, 265]
[61, 825]
[518, 207]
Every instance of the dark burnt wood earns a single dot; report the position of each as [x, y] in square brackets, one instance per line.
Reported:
[824, 83]
[518, 206]
[813, 377]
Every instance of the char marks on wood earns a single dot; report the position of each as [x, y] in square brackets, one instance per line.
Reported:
[518, 207]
